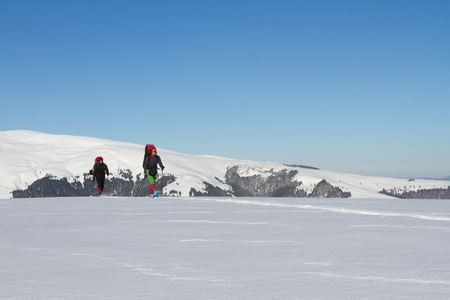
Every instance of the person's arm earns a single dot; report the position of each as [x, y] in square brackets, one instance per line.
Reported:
[160, 163]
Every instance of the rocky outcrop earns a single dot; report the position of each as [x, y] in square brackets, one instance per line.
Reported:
[278, 184]
[50, 187]
[209, 190]
[273, 184]
[325, 190]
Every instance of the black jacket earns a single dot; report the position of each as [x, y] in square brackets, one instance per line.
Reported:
[151, 162]
[100, 169]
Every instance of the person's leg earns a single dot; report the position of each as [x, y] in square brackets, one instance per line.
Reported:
[101, 184]
[151, 180]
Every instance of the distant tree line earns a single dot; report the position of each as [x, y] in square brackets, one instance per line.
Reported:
[438, 193]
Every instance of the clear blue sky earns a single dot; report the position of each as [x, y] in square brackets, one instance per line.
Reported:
[350, 86]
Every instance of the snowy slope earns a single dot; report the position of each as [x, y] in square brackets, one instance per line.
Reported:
[224, 248]
[27, 156]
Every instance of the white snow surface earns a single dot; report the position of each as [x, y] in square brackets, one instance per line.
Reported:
[27, 156]
[224, 248]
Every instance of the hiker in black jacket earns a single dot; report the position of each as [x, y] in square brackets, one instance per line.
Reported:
[151, 162]
[100, 169]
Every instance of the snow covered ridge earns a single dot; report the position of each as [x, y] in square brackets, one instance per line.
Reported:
[34, 164]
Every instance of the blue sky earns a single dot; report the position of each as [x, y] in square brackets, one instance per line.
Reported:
[349, 86]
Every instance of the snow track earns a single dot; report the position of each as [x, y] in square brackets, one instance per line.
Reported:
[332, 209]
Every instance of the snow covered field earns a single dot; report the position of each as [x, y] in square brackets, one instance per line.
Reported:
[224, 248]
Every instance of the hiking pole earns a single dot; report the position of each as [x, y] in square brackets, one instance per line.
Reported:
[162, 185]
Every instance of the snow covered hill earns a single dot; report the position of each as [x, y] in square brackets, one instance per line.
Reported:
[29, 157]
